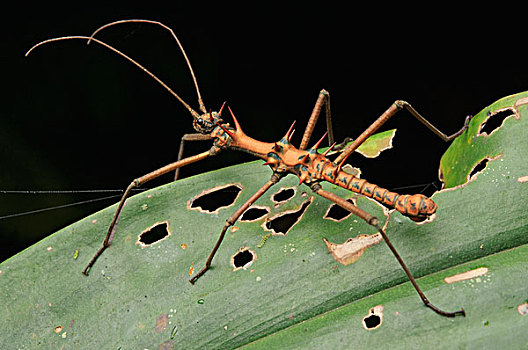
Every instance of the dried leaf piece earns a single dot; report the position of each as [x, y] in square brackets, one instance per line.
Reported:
[351, 250]
[481, 271]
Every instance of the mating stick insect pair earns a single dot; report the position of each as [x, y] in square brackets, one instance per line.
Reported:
[283, 158]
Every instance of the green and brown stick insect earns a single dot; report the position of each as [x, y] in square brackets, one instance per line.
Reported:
[283, 158]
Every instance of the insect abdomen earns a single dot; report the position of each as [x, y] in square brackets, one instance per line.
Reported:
[417, 207]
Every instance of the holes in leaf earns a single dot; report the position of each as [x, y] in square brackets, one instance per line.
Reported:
[283, 222]
[494, 121]
[480, 166]
[374, 319]
[283, 195]
[243, 259]
[154, 234]
[336, 213]
[254, 213]
[214, 199]
[371, 321]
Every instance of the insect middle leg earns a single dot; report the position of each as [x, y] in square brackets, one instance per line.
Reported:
[324, 98]
[372, 220]
[137, 182]
[276, 177]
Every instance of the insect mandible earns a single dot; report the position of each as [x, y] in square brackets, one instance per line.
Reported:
[283, 158]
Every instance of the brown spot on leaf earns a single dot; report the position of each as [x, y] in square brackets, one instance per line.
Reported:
[161, 323]
[168, 345]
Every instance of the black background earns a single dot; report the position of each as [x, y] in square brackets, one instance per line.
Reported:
[80, 117]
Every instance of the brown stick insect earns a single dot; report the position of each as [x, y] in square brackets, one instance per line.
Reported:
[283, 158]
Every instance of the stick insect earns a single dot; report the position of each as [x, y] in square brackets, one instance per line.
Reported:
[283, 158]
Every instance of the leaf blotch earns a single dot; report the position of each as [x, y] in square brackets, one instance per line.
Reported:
[168, 345]
[161, 323]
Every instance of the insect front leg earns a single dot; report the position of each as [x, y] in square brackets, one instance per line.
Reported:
[137, 182]
[372, 220]
[276, 177]
[188, 137]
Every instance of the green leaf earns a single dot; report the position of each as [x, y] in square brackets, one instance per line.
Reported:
[374, 145]
[294, 294]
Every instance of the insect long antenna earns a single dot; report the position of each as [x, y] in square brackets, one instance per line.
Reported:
[77, 37]
[200, 101]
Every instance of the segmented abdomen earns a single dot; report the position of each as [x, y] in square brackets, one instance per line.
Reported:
[417, 206]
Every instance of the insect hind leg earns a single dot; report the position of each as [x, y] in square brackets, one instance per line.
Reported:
[372, 220]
